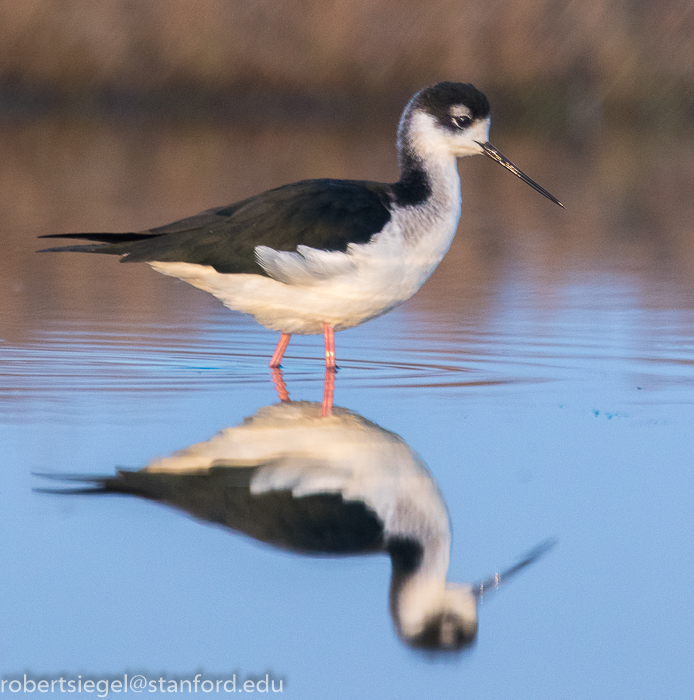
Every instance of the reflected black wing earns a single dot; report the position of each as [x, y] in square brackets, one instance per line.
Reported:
[318, 523]
[324, 214]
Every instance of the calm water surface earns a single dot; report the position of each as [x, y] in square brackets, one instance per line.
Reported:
[545, 374]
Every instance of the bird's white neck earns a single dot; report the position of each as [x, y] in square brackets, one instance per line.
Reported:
[428, 169]
[416, 591]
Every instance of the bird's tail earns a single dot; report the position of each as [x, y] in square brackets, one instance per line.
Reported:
[107, 243]
[124, 482]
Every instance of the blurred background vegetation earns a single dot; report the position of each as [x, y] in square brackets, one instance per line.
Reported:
[569, 64]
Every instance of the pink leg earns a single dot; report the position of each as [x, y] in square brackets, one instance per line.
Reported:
[279, 350]
[329, 346]
[328, 392]
[280, 385]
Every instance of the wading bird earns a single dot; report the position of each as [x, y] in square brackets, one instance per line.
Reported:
[323, 255]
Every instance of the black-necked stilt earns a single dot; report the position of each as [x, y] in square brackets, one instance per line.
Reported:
[340, 485]
[324, 255]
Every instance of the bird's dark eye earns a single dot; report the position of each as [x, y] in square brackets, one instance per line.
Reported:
[461, 122]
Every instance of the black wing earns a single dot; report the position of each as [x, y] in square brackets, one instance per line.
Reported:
[312, 524]
[324, 214]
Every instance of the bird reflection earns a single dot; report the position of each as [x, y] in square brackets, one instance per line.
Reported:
[296, 479]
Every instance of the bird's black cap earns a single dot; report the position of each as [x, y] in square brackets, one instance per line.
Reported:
[439, 98]
[444, 632]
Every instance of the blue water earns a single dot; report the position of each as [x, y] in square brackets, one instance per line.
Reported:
[575, 425]
[548, 399]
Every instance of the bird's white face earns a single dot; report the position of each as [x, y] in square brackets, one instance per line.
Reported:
[461, 601]
[465, 134]
[437, 617]
[441, 130]
[455, 134]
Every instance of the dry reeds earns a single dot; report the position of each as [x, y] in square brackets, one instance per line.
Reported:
[589, 55]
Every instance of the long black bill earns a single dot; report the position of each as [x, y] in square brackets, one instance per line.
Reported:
[494, 581]
[490, 151]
